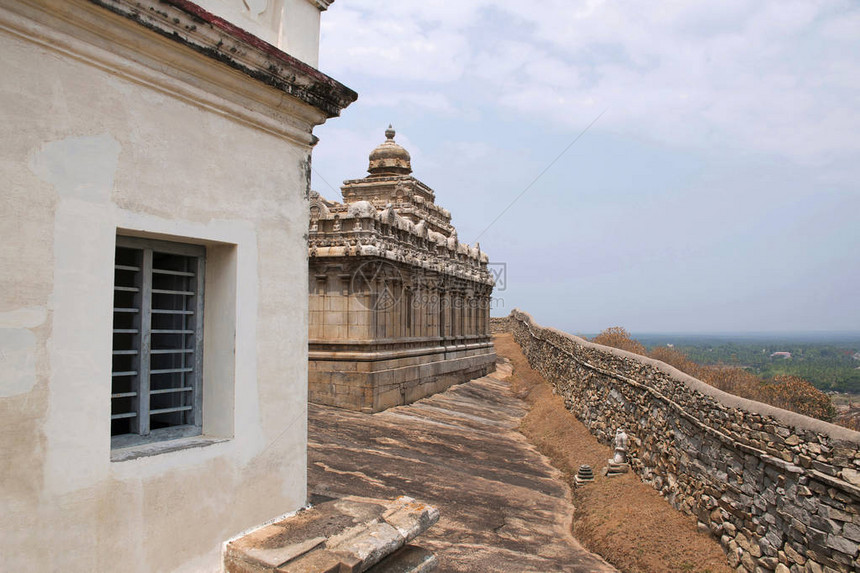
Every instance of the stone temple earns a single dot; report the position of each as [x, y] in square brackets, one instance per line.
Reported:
[399, 308]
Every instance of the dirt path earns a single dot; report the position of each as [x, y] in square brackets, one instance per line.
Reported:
[621, 518]
[503, 507]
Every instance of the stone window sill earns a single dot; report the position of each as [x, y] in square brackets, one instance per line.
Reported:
[157, 448]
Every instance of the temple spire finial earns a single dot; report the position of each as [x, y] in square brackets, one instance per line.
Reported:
[389, 158]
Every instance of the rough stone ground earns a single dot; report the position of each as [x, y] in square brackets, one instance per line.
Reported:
[621, 518]
[503, 506]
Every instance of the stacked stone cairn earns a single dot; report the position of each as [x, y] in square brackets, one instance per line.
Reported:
[584, 475]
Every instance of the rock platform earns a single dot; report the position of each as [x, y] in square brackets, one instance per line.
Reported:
[503, 507]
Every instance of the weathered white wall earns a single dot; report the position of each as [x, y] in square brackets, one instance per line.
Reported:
[291, 25]
[85, 152]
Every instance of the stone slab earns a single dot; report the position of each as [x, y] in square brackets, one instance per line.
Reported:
[408, 559]
[349, 534]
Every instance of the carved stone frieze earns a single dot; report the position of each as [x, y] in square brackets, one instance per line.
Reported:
[414, 316]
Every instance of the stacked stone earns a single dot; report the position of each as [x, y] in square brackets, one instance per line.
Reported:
[584, 475]
[614, 469]
[779, 490]
[500, 325]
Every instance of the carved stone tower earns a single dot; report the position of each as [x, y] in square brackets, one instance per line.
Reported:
[399, 308]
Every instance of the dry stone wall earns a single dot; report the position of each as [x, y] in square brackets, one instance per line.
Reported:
[779, 490]
[500, 324]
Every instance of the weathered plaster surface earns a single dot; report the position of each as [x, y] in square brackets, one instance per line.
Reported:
[18, 373]
[81, 170]
[79, 167]
[93, 146]
[18, 349]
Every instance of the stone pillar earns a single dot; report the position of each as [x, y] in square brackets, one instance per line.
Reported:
[361, 301]
[386, 305]
[431, 312]
[338, 307]
[473, 316]
[480, 310]
[486, 326]
[461, 314]
[485, 310]
[378, 321]
[397, 310]
[334, 309]
[467, 315]
[454, 313]
[408, 314]
[418, 303]
[444, 321]
[395, 307]
[316, 306]
[464, 314]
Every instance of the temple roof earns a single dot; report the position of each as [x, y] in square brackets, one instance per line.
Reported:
[389, 158]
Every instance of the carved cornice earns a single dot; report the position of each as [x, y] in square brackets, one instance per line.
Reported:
[408, 196]
[187, 23]
[369, 236]
[322, 4]
[140, 41]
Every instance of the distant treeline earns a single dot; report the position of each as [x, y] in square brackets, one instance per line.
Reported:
[751, 370]
[828, 367]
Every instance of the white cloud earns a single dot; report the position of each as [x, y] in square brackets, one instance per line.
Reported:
[724, 171]
[770, 76]
[434, 101]
[380, 43]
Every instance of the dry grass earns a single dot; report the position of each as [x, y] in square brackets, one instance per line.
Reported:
[622, 519]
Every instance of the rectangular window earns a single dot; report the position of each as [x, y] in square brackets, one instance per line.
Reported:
[156, 391]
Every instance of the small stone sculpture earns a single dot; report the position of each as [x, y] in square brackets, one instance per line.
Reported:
[618, 464]
[620, 447]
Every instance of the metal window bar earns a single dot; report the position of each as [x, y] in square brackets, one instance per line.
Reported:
[171, 370]
[126, 331]
[172, 351]
[171, 410]
[124, 395]
[171, 390]
[175, 273]
[177, 282]
[168, 311]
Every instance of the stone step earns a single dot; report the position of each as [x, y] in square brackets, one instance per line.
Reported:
[408, 559]
[616, 469]
[345, 535]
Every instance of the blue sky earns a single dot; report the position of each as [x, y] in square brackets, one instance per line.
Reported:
[719, 190]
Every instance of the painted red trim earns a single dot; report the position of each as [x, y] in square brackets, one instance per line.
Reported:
[210, 18]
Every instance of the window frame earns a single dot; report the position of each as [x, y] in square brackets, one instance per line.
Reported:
[144, 434]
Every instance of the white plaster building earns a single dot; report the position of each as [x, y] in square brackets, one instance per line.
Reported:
[155, 167]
